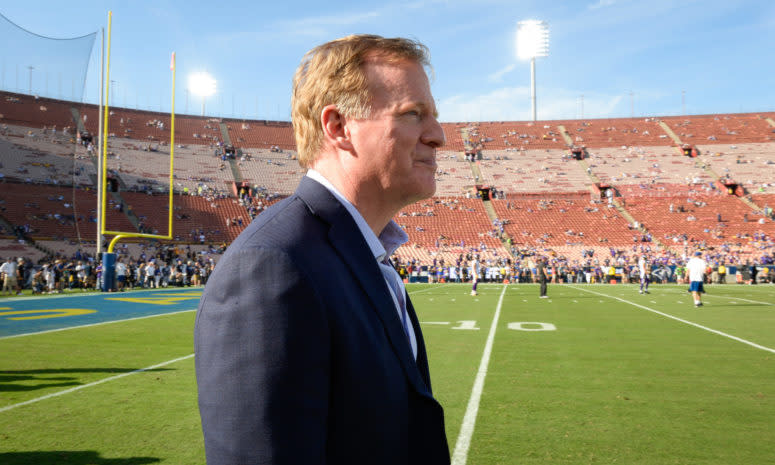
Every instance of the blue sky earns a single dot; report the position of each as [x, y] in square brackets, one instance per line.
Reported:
[607, 58]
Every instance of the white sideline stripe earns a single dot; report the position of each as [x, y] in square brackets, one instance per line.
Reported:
[696, 325]
[460, 456]
[78, 388]
[95, 324]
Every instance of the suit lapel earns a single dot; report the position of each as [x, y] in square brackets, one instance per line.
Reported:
[347, 239]
[422, 357]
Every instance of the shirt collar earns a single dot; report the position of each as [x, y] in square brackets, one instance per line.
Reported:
[391, 237]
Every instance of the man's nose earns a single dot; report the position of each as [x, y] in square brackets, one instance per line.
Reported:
[434, 134]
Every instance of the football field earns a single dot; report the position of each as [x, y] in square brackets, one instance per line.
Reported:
[594, 374]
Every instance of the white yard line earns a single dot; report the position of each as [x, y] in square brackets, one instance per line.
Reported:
[460, 455]
[714, 331]
[94, 324]
[429, 288]
[716, 296]
[78, 388]
[713, 295]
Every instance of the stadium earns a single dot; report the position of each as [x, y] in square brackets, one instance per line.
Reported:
[597, 373]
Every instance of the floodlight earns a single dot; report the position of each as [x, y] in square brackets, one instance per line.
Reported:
[532, 39]
[532, 42]
[202, 84]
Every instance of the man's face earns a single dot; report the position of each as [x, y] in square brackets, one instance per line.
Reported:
[396, 146]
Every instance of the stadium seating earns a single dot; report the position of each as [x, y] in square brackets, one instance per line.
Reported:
[194, 216]
[547, 200]
[561, 219]
[12, 248]
[56, 212]
[750, 165]
[276, 172]
[261, 134]
[34, 112]
[549, 170]
[457, 222]
[722, 129]
[30, 156]
[628, 132]
[645, 165]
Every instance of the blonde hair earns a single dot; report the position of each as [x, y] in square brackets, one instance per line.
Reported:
[332, 73]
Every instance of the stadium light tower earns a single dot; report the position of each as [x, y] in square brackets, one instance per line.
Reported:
[30, 67]
[532, 42]
[202, 84]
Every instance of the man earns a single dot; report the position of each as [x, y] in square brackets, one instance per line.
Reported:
[121, 272]
[39, 280]
[150, 272]
[754, 272]
[644, 270]
[8, 270]
[474, 275]
[80, 273]
[696, 270]
[308, 349]
[543, 277]
[680, 272]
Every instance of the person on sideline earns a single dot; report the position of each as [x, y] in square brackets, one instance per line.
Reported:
[696, 270]
[308, 349]
[475, 275]
[9, 272]
[543, 277]
[644, 270]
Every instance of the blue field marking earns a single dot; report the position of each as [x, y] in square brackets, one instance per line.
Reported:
[36, 314]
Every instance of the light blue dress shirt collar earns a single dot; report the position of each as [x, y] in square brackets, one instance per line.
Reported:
[390, 239]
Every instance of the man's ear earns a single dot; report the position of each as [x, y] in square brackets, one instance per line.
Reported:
[335, 130]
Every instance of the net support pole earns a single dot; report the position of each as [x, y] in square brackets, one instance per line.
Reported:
[533, 88]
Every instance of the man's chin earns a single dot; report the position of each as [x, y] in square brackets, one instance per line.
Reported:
[426, 192]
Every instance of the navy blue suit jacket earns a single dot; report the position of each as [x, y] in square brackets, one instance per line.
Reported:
[300, 355]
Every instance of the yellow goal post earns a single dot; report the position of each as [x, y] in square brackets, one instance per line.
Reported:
[104, 170]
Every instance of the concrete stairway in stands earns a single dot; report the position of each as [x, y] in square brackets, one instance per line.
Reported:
[670, 133]
[225, 133]
[117, 198]
[27, 239]
[235, 171]
[712, 173]
[583, 163]
[594, 180]
[565, 136]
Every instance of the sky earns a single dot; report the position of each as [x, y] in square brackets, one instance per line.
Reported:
[607, 58]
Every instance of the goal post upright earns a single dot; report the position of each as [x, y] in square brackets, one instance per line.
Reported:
[109, 257]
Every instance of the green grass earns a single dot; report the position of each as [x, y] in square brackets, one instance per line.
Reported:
[614, 383]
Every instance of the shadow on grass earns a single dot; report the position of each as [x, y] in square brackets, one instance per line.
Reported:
[67, 457]
[33, 380]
